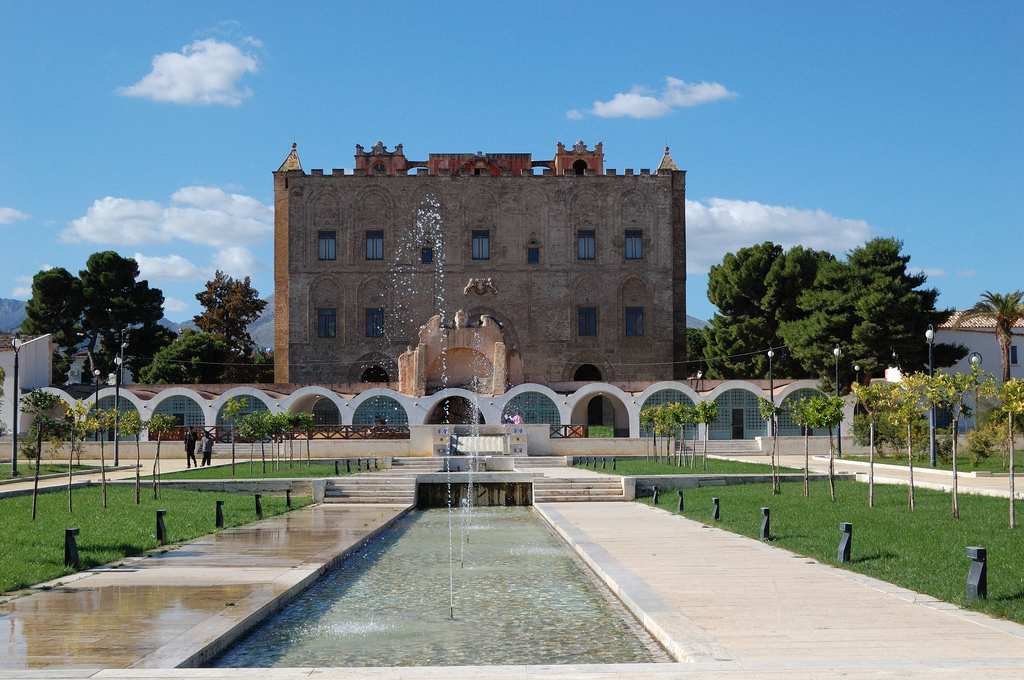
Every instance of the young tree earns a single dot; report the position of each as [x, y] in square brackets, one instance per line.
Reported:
[132, 425]
[232, 408]
[92, 309]
[76, 418]
[159, 425]
[193, 358]
[305, 422]
[706, 413]
[873, 400]
[907, 406]
[827, 412]
[230, 306]
[1011, 394]
[803, 415]
[1005, 311]
[39, 405]
[770, 411]
[254, 427]
[98, 422]
[945, 391]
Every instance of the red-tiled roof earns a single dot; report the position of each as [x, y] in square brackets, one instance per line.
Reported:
[978, 323]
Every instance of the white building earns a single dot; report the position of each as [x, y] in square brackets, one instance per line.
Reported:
[34, 360]
[979, 335]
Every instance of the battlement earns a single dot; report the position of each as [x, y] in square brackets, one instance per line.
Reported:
[470, 172]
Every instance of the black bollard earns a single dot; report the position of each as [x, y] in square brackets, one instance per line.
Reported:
[977, 577]
[70, 548]
[604, 463]
[843, 554]
[259, 507]
[765, 524]
[288, 497]
[220, 514]
[359, 464]
[613, 463]
[716, 512]
[161, 528]
[348, 465]
[655, 502]
[680, 506]
[336, 470]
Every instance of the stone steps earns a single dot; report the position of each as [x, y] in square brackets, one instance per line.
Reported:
[556, 490]
[538, 462]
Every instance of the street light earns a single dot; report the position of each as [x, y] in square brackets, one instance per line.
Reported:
[975, 359]
[839, 434]
[16, 343]
[930, 336]
[96, 379]
[118, 360]
[771, 391]
[856, 370]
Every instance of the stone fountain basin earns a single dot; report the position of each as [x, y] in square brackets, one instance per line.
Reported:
[438, 490]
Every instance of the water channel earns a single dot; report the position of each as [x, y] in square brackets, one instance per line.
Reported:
[520, 598]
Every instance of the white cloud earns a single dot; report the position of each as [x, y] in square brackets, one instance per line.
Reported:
[238, 262]
[642, 103]
[968, 272]
[10, 216]
[24, 291]
[176, 306]
[930, 273]
[718, 226]
[205, 216]
[206, 72]
[170, 268]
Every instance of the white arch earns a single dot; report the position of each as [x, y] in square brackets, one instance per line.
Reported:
[735, 385]
[351, 405]
[209, 420]
[638, 401]
[305, 397]
[795, 386]
[591, 390]
[487, 405]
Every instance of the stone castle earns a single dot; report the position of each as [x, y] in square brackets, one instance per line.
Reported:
[471, 270]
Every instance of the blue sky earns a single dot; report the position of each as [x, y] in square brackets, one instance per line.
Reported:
[153, 129]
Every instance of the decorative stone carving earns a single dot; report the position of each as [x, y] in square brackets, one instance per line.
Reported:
[379, 149]
[480, 286]
[460, 318]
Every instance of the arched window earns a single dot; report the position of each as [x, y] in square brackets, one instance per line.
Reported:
[587, 373]
[738, 416]
[787, 426]
[662, 397]
[380, 169]
[252, 405]
[380, 410]
[107, 404]
[534, 407]
[579, 167]
[325, 412]
[185, 411]
[374, 374]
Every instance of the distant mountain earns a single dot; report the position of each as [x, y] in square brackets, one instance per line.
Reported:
[12, 313]
[262, 329]
[694, 322]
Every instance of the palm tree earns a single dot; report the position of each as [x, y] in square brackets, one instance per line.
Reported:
[1005, 310]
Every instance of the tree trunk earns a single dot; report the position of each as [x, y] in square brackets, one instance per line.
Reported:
[831, 465]
[103, 473]
[910, 463]
[138, 471]
[775, 471]
[39, 460]
[1013, 517]
[71, 455]
[704, 459]
[232, 449]
[807, 461]
[263, 456]
[871, 467]
[156, 467]
[956, 500]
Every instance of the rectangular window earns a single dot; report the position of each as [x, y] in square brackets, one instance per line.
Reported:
[634, 320]
[427, 256]
[374, 245]
[533, 256]
[325, 327]
[588, 320]
[327, 245]
[1013, 354]
[634, 244]
[481, 245]
[586, 244]
[375, 323]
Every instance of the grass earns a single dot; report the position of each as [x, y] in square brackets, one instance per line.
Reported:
[25, 472]
[921, 550]
[33, 552]
[993, 463]
[715, 467]
[297, 469]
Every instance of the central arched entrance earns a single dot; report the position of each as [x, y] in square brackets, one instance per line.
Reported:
[455, 411]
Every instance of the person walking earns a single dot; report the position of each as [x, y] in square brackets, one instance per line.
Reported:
[208, 448]
[190, 448]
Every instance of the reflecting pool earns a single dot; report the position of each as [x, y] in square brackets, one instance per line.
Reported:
[516, 593]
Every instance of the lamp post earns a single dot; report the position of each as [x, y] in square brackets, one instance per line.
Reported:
[771, 391]
[16, 344]
[930, 336]
[839, 434]
[118, 361]
[975, 359]
[856, 370]
[96, 408]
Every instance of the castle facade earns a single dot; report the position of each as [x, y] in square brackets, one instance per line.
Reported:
[474, 271]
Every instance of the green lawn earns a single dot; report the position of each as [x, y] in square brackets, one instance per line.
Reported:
[650, 467]
[921, 550]
[963, 463]
[283, 470]
[27, 473]
[33, 552]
